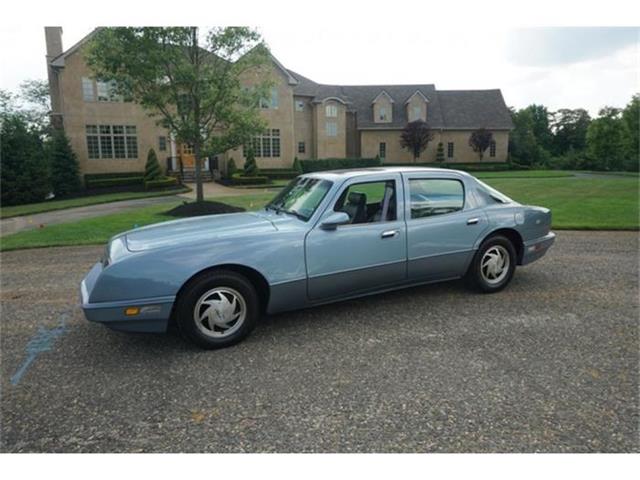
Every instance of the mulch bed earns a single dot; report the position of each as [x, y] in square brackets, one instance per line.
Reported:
[196, 209]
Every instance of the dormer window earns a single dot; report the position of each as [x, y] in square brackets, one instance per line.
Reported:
[417, 107]
[382, 114]
[417, 113]
[331, 111]
[383, 108]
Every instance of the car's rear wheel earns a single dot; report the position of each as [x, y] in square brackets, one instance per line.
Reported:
[493, 265]
[218, 309]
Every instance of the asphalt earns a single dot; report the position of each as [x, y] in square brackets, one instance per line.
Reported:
[551, 364]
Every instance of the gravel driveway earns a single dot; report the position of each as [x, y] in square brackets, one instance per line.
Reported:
[550, 364]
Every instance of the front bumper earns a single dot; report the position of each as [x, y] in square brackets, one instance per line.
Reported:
[153, 316]
[535, 249]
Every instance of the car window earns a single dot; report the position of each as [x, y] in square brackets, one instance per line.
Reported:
[301, 197]
[435, 196]
[369, 202]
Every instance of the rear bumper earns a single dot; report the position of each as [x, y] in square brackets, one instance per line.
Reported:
[153, 316]
[535, 249]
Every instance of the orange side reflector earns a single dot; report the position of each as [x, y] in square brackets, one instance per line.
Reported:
[131, 311]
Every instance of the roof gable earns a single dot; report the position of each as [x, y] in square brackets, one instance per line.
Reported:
[418, 93]
[385, 94]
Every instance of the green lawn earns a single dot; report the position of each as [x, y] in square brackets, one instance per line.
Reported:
[577, 203]
[32, 208]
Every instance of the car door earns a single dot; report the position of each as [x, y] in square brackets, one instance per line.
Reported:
[369, 252]
[443, 224]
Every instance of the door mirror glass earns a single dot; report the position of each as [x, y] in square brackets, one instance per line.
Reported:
[335, 219]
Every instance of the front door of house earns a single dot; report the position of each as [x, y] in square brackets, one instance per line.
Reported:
[187, 156]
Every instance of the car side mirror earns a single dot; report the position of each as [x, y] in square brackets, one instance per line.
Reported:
[335, 219]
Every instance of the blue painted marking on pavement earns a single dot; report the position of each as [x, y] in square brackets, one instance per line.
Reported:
[42, 341]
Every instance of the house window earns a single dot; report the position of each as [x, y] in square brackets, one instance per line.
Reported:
[187, 149]
[450, 150]
[266, 145]
[301, 147]
[382, 114]
[299, 105]
[162, 144]
[331, 111]
[332, 129]
[382, 150]
[492, 149]
[274, 98]
[111, 141]
[431, 197]
[107, 92]
[417, 113]
[88, 94]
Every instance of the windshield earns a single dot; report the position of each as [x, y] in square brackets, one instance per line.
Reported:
[301, 197]
[493, 193]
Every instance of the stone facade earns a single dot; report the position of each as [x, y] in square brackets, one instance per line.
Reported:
[305, 119]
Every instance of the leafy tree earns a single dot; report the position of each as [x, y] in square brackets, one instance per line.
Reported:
[631, 133]
[605, 140]
[570, 130]
[415, 137]
[250, 166]
[152, 167]
[194, 88]
[65, 171]
[231, 168]
[24, 175]
[540, 123]
[32, 103]
[480, 140]
[523, 145]
[440, 153]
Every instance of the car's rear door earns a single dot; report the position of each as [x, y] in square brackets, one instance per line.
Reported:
[366, 255]
[443, 224]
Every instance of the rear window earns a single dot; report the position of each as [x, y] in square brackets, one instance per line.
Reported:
[435, 196]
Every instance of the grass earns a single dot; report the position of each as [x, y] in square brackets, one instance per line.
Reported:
[51, 205]
[524, 174]
[577, 203]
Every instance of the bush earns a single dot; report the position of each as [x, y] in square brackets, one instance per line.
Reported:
[101, 176]
[440, 153]
[240, 179]
[162, 182]
[231, 168]
[152, 168]
[279, 173]
[297, 167]
[250, 166]
[338, 164]
[24, 173]
[65, 171]
[113, 182]
[471, 167]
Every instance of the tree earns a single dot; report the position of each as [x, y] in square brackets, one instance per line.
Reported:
[415, 137]
[440, 153]
[540, 122]
[32, 103]
[24, 174]
[65, 171]
[569, 130]
[631, 133]
[480, 140]
[523, 145]
[250, 166]
[297, 166]
[605, 140]
[152, 167]
[193, 88]
[231, 168]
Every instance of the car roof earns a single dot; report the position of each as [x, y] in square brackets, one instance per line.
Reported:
[357, 172]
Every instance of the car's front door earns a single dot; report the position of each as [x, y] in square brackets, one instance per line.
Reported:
[443, 226]
[367, 253]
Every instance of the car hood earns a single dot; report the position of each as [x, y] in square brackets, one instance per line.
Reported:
[210, 227]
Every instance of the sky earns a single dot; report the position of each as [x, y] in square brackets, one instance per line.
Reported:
[559, 67]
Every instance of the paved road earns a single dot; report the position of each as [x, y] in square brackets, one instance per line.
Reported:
[550, 364]
[28, 222]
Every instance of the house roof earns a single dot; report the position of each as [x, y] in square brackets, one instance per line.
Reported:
[447, 109]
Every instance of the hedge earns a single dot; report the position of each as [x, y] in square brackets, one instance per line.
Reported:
[475, 166]
[100, 176]
[240, 179]
[279, 173]
[322, 164]
[113, 182]
[162, 182]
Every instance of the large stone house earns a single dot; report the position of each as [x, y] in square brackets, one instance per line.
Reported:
[305, 119]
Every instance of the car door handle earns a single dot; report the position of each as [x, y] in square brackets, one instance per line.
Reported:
[473, 221]
[389, 233]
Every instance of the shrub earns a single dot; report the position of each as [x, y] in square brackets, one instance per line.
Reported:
[152, 168]
[24, 173]
[162, 182]
[114, 182]
[440, 153]
[279, 173]
[231, 168]
[65, 171]
[101, 176]
[297, 167]
[338, 163]
[240, 179]
[250, 166]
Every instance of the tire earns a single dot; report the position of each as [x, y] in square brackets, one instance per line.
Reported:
[490, 278]
[226, 304]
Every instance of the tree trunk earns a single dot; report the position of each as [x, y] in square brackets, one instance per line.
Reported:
[198, 162]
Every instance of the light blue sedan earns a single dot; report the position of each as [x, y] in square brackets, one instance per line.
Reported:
[326, 237]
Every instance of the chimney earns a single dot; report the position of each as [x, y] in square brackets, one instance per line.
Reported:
[53, 39]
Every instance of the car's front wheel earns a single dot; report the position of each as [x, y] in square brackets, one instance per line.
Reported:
[218, 309]
[493, 265]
